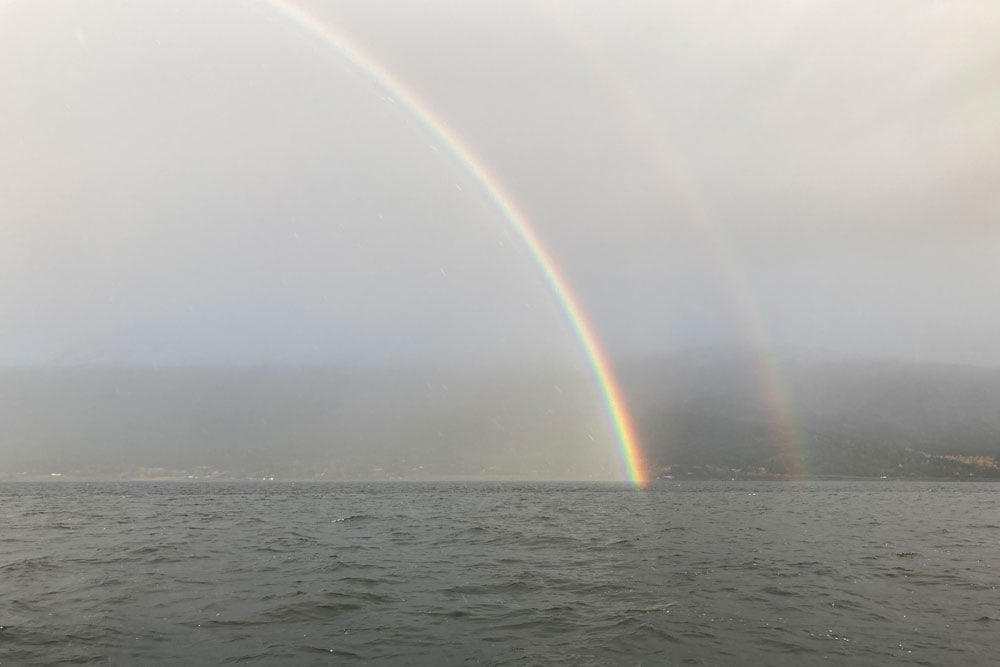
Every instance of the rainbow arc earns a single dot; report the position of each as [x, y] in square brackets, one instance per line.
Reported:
[601, 370]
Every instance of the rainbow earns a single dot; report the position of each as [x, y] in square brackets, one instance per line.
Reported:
[610, 391]
[645, 131]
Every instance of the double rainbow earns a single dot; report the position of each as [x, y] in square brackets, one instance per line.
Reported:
[518, 221]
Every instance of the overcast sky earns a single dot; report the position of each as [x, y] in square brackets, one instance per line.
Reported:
[191, 182]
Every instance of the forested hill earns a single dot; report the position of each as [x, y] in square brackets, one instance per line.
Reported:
[708, 413]
[713, 411]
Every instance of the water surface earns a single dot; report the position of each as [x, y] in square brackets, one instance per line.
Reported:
[859, 573]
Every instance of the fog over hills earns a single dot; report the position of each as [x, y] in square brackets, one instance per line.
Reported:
[330, 423]
[700, 412]
[232, 243]
[845, 416]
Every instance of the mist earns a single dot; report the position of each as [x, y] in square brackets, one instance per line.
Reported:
[193, 192]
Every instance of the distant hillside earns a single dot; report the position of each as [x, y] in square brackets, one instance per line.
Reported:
[848, 417]
[331, 423]
[705, 413]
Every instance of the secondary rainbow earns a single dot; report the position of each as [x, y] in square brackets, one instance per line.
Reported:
[519, 222]
[646, 132]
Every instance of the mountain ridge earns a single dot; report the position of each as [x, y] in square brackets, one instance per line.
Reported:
[704, 412]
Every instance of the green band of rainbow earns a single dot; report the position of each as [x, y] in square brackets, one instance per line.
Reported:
[608, 387]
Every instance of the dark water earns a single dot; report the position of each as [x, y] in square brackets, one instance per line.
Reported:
[532, 574]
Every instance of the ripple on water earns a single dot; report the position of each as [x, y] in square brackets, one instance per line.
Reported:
[694, 573]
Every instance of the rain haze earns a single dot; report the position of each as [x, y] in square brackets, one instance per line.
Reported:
[225, 244]
[501, 332]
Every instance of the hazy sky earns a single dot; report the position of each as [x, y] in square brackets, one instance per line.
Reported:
[206, 182]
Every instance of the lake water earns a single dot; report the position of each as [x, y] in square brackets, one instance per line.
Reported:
[714, 573]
